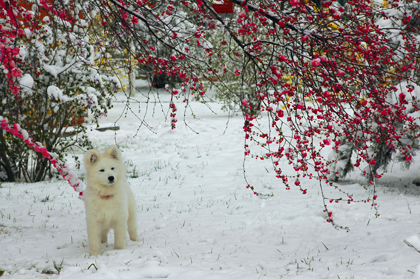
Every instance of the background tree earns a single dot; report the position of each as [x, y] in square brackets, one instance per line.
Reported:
[327, 73]
[316, 74]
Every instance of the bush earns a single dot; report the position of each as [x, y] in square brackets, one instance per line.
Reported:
[58, 87]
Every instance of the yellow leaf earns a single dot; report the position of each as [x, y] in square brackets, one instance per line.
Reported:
[333, 26]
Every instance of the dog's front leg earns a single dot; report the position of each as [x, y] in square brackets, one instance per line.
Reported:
[120, 231]
[94, 236]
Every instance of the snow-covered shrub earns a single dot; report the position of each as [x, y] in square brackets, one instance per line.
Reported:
[59, 86]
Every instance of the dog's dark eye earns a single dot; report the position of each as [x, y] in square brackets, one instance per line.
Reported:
[102, 170]
[112, 168]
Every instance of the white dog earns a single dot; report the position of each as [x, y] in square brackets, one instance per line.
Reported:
[109, 200]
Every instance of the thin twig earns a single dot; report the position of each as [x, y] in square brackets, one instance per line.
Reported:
[93, 266]
[411, 245]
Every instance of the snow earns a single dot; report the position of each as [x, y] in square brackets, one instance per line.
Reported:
[196, 218]
[54, 92]
[415, 241]
[57, 94]
[53, 70]
[26, 83]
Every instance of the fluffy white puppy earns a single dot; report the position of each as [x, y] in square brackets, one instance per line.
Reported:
[109, 201]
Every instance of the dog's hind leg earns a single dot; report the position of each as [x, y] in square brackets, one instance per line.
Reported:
[104, 235]
[132, 227]
[132, 220]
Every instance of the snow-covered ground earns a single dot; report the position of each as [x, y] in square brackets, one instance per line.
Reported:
[196, 218]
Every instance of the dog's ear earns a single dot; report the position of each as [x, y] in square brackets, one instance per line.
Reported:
[113, 152]
[91, 157]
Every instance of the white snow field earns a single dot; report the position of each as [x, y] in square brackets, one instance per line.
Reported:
[196, 218]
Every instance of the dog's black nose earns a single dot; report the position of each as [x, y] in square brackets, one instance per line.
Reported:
[111, 178]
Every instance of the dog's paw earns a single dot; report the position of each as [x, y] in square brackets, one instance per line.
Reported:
[95, 253]
[134, 238]
[119, 246]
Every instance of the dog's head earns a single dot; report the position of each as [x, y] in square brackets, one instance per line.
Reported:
[104, 168]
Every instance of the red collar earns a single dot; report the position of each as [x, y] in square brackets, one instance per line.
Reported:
[107, 197]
